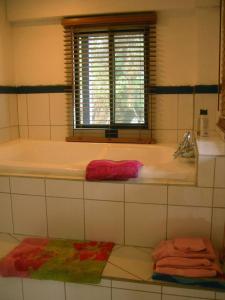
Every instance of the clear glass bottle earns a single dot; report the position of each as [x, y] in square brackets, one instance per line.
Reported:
[203, 123]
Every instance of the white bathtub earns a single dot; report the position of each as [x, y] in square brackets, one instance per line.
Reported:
[50, 158]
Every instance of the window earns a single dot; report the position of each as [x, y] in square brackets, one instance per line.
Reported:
[107, 62]
[111, 78]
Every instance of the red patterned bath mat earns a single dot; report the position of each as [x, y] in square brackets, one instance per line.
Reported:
[63, 260]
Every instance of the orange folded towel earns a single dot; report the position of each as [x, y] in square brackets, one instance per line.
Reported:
[167, 249]
[189, 244]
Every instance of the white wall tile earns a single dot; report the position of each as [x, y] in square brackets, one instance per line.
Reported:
[185, 111]
[104, 191]
[43, 290]
[87, 292]
[4, 110]
[58, 109]
[11, 289]
[65, 218]
[13, 110]
[218, 223]
[141, 221]
[220, 296]
[59, 133]
[23, 132]
[14, 132]
[38, 109]
[220, 172]
[165, 136]
[39, 132]
[25, 185]
[4, 184]
[5, 213]
[188, 221]
[104, 221]
[188, 292]
[119, 294]
[206, 101]
[164, 112]
[29, 214]
[194, 196]
[145, 193]
[219, 198]
[64, 188]
[172, 297]
[4, 134]
[206, 165]
[22, 109]
[136, 286]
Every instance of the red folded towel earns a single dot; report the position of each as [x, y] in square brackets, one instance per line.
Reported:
[112, 170]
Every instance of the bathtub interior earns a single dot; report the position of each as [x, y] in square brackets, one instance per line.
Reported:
[71, 159]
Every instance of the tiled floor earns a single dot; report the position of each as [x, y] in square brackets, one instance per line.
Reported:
[127, 275]
[130, 263]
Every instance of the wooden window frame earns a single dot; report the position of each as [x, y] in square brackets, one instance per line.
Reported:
[148, 19]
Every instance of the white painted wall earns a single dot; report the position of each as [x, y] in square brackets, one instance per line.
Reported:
[8, 103]
[6, 69]
[38, 54]
[187, 49]
[39, 9]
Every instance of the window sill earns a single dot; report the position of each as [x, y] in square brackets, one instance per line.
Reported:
[131, 140]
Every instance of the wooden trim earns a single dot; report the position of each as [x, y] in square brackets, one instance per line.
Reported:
[109, 140]
[108, 20]
[221, 124]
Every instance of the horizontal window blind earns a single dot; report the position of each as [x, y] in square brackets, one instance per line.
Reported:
[109, 71]
[110, 82]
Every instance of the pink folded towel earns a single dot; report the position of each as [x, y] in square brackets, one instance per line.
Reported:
[167, 249]
[182, 262]
[189, 244]
[112, 170]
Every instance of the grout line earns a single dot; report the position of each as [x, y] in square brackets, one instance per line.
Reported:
[177, 117]
[124, 270]
[193, 113]
[49, 116]
[12, 215]
[14, 237]
[65, 294]
[84, 208]
[124, 215]
[167, 209]
[17, 109]
[46, 208]
[28, 126]
[22, 286]
[212, 210]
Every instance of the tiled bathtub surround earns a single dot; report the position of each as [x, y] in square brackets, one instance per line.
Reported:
[126, 276]
[44, 116]
[9, 129]
[126, 213]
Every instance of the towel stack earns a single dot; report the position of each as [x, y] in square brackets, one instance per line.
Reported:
[187, 257]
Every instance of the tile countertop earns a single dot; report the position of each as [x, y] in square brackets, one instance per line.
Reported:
[211, 146]
[126, 263]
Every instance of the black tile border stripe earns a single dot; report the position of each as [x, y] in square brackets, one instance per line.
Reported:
[39, 89]
[4, 89]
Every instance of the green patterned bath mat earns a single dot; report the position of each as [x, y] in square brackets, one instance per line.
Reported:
[63, 260]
